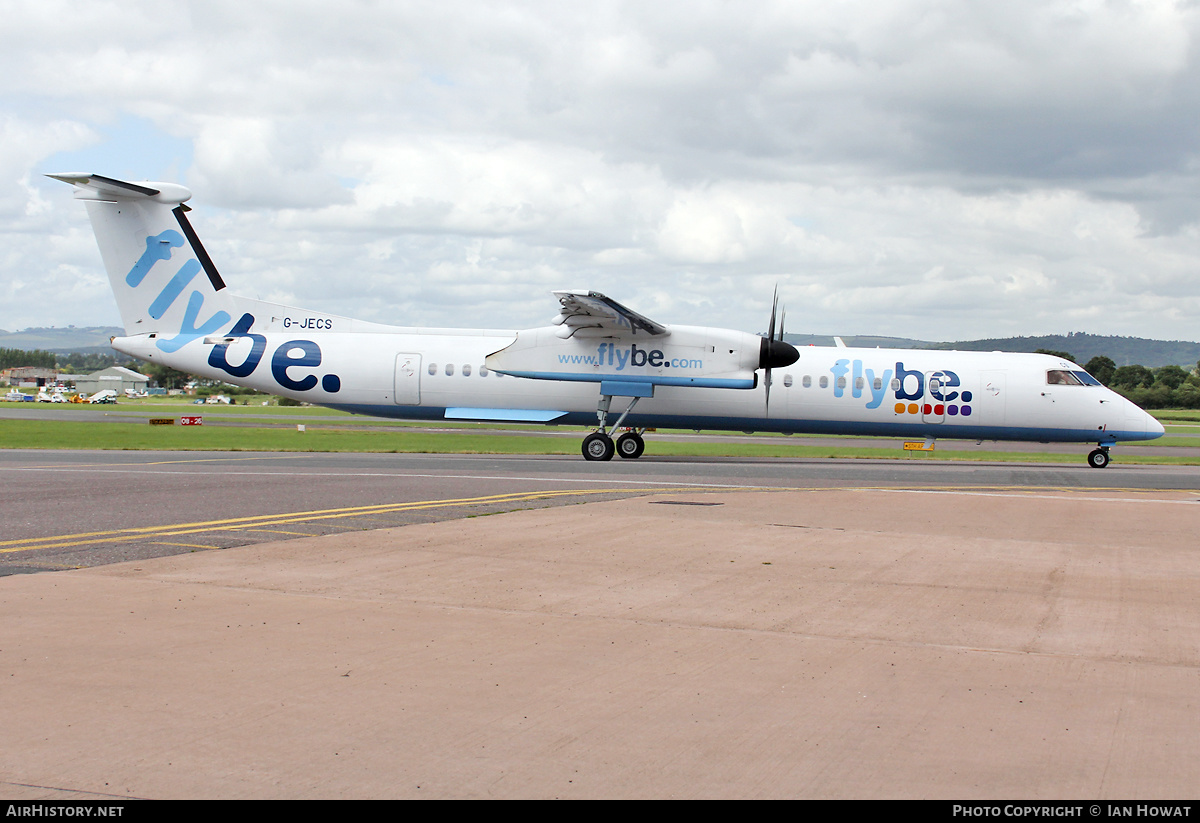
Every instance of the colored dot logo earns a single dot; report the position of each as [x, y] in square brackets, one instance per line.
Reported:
[938, 409]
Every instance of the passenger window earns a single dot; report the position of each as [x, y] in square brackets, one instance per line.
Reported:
[859, 383]
[433, 368]
[807, 381]
[824, 382]
[449, 369]
[787, 380]
[878, 384]
[483, 372]
[466, 370]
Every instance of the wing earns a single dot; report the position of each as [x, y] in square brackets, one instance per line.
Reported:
[592, 310]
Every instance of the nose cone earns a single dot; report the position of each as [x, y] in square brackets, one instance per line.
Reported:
[1141, 424]
[1153, 427]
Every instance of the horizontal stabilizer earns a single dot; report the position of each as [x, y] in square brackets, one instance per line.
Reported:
[98, 187]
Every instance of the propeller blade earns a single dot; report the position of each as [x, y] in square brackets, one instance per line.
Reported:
[774, 352]
[774, 307]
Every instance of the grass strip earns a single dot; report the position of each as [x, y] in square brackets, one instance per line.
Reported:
[38, 434]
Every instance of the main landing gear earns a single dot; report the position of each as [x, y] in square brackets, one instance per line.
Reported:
[1099, 458]
[599, 446]
[630, 445]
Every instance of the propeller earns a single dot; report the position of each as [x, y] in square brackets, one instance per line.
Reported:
[774, 353]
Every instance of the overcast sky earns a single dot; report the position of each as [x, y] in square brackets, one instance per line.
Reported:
[939, 170]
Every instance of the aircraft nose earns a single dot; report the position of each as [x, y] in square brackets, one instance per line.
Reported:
[1153, 427]
[1139, 420]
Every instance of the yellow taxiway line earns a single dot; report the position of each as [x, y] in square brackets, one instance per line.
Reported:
[260, 521]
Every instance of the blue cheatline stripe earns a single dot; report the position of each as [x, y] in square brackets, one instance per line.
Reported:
[939, 431]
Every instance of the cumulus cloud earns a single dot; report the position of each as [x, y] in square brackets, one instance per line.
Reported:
[912, 167]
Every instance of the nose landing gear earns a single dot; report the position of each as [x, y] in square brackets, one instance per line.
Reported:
[1099, 458]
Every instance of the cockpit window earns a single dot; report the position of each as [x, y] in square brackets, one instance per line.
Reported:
[1087, 379]
[1062, 377]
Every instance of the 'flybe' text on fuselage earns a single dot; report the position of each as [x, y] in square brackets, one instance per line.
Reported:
[908, 386]
[611, 355]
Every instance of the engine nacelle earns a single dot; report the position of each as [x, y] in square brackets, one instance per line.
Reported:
[685, 356]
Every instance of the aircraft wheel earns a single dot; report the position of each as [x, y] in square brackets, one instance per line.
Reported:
[1098, 459]
[630, 445]
[597, 446]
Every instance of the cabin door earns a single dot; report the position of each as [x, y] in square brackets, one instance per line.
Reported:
[408, 380]
[989, 403]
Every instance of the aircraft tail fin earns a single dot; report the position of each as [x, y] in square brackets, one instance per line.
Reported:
[164, 281]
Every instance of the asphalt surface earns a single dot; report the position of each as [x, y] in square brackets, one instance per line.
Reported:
[64, 509]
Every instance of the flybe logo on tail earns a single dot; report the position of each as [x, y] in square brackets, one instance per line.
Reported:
[288, 356]
[293, 353]
[160, 247]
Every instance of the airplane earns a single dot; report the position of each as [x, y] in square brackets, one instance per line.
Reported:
[176, 310]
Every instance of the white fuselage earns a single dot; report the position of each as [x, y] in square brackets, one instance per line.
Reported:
[442, 374]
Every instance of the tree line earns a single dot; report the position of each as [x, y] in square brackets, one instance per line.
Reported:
[72, 363]
[17, 358]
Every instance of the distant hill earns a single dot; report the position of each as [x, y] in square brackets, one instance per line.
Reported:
[86, 339]
[1125, 351]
